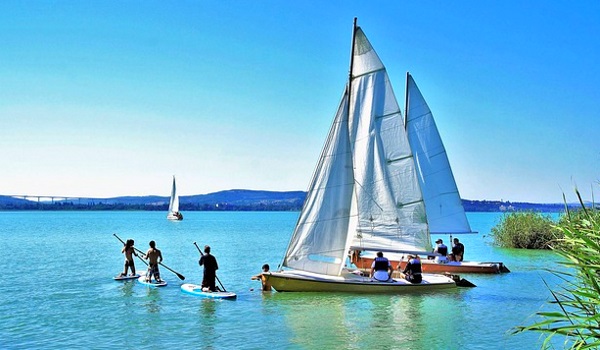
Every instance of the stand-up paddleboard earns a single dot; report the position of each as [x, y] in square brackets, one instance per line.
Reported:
[127, 277]
[196, 290]
[152, 283]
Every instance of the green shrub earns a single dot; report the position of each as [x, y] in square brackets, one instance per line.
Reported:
[527, 230]
[578, 314]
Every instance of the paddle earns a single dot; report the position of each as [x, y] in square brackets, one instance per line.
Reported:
[215, 273]
[139, 257]
[181, 277]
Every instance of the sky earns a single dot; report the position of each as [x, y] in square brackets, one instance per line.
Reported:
[112, 98]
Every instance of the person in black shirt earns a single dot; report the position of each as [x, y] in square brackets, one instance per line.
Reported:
[412, 271]
[458, 250]
[210, 270]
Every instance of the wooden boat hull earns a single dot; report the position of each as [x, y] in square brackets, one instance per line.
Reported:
[286, 281]
[452, 267]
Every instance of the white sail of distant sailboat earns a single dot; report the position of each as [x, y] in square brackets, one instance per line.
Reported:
[174, 213]
[445, 211]
[364, 192]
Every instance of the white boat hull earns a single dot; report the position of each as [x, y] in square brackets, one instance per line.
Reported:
[299, 281]
[174, 217]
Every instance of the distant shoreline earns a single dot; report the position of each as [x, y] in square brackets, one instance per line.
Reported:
[231, 200]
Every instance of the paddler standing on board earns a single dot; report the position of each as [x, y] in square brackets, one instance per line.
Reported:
[210, 270]
[129, 252]
[154, 257]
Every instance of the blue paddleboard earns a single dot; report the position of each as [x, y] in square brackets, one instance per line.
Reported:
[125, 278]
[196, 290]
[152, 283]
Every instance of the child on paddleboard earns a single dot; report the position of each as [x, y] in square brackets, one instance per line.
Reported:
[129, 252]
[154, 257]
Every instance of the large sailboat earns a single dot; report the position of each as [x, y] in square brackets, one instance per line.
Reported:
[443, 204]
[174, 213]
[364, 193]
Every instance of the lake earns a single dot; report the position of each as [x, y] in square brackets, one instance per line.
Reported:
[58, 290]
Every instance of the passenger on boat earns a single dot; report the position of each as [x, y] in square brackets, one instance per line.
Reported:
[412, 271]
[381, 269]
[458, 250]
[442, 250]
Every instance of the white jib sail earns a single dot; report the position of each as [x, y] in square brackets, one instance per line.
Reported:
[391, 212]
[174, 202]
[445, 212]
[319, 241]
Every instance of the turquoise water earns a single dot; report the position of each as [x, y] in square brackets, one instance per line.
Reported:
[58, 291]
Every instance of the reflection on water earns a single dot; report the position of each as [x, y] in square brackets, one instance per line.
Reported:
[207, 323]
[353, 321]
[152, 302]
[126, 288]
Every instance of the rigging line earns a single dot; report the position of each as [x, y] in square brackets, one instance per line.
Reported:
[388, 115]
[363, 190]
[369, 72]
[390, 161]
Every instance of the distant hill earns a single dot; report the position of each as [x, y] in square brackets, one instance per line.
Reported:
[236, 200]
[230, 200]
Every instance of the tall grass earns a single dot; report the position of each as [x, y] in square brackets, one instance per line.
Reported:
[526, 230]
[577, 301]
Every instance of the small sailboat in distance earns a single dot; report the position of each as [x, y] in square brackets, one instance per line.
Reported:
[174, 213]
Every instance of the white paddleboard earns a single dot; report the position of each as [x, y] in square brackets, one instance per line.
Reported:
[152, 283]
[125, 278]
[196, 290]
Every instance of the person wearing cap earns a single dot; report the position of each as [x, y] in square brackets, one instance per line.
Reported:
[381, 268]
[442, 250]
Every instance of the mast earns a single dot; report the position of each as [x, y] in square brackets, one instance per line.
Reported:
[406, 101]
[351, 65]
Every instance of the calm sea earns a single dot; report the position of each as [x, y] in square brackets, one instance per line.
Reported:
[58, 291]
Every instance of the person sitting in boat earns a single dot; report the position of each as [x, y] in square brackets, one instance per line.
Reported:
[266, 285]
[381, 269]
[412, 271]
[442, 250]
[458, 250]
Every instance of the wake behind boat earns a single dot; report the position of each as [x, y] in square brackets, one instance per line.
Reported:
[364, 191]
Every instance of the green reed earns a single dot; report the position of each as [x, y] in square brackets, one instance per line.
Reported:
[528, 230]
[577, 300]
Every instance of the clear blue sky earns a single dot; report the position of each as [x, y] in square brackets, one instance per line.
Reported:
[111, 98]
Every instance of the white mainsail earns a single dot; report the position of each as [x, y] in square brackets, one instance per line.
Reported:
[364, 192]
[174, 202]
[390, 204]
[445, 212]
